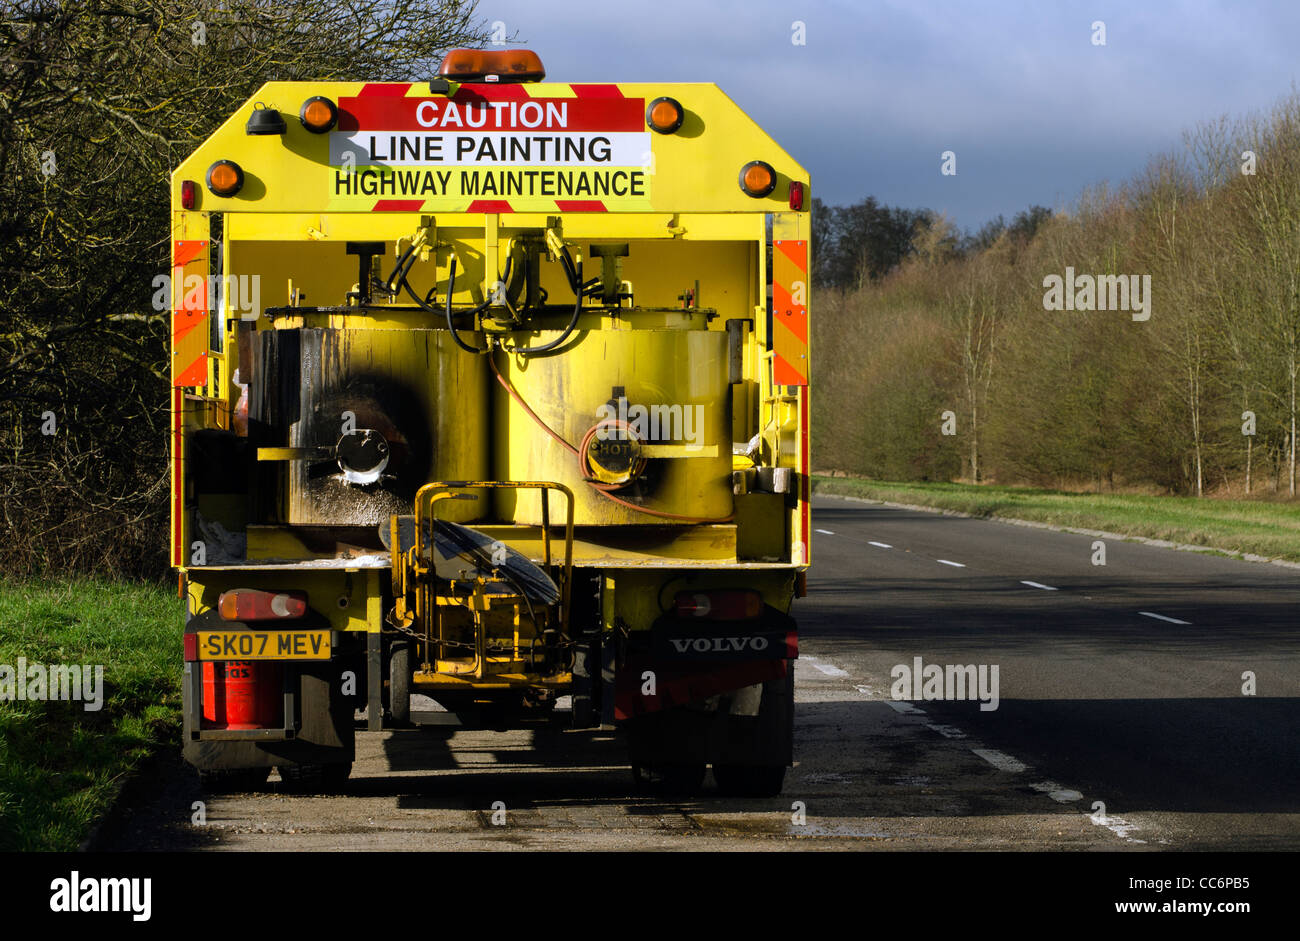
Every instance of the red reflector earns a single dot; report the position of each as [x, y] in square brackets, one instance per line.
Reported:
[189, 194]
[796, 196]
[247, 604]
[191, 647]
[720, 605]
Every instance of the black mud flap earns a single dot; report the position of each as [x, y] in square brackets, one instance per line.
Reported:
[719, 735]
[324, 731]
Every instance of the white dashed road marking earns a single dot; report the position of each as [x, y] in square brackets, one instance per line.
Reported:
[1116, 825]
[1058, 793]
[906, 708]
[947, 731]
[880, 545]
[1038, 585]
[1000, 760]
[959, 565]
[1161, 617]
[825, 532]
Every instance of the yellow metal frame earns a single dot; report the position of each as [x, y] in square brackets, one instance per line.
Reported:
[412, 570]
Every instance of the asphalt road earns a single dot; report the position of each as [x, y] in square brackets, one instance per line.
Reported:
[1121, 721]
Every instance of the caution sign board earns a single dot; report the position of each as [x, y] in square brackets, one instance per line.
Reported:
[490, 149]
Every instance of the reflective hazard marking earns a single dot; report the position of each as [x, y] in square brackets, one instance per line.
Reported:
[790, 312]
[178, 452]
[190, 313]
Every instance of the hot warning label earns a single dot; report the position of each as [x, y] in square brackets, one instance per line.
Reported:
[495, 144]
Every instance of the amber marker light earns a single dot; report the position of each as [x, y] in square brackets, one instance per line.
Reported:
[225, 178]
[664, 115]
[757, 178]
[318, 114]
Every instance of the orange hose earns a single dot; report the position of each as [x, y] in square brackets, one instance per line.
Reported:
[578, 454]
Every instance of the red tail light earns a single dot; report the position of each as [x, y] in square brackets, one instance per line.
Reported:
[719, 605]
[796, 196]
[247, 604]
[191, 647]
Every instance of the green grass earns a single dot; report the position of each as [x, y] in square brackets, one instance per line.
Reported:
[1270, 529]
[60, 765]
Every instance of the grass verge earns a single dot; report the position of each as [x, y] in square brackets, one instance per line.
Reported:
[60, 764]
[1256, 527]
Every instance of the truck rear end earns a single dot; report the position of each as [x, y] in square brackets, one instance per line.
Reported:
[490, 408]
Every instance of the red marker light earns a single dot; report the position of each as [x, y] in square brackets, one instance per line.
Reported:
[189, 194]
[796, 196]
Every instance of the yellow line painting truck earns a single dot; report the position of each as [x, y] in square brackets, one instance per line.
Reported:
[490, 395]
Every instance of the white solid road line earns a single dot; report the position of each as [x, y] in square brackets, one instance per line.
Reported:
[825, 532]
[959, 565]
[1037, 585]
[880, 545]
[1161, 617]
[1000, 760]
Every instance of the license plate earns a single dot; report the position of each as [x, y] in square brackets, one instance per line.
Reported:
[264, 645]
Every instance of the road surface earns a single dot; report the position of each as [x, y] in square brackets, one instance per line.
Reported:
[1149, 703]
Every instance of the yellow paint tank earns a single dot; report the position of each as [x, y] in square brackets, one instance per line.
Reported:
[669, 385]
[426, 398]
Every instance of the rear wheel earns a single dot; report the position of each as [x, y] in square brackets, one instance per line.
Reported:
[750, 780]
[233, 780]
[399, 682]
[680, 778]
[314, 778]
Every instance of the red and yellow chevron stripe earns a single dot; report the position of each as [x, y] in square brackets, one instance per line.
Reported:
[190, 313]
[790, 312]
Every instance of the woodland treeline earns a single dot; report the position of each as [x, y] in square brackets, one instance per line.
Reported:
[98, 102]
[913, 320]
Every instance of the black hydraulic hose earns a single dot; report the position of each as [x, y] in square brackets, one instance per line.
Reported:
[567, 261]
[451, 288]
[573, 322]
[404, 262]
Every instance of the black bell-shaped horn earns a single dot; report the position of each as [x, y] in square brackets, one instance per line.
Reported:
[265, 121]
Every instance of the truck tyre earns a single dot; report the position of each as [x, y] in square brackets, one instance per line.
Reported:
[750, 780]
[679, 778]
[228, 781]
[399, 682]
[314, 778]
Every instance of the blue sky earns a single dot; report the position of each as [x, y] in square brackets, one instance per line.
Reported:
[1033, 110]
